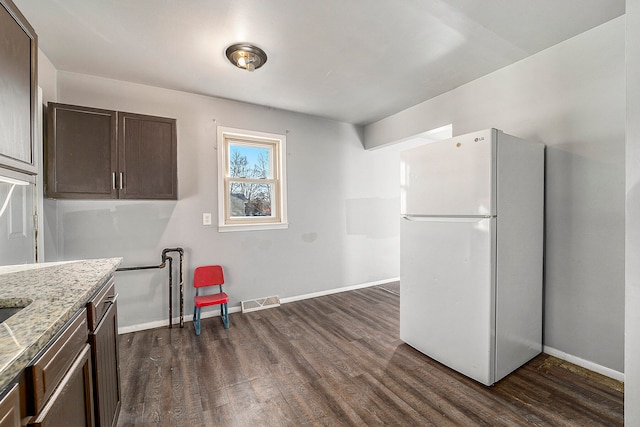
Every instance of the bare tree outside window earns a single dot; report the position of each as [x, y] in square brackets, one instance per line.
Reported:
[249, 198]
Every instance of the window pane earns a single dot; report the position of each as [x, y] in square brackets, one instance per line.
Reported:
[248, 161]
[250, 199]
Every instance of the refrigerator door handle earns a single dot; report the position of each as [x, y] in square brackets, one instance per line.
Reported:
[445, 218]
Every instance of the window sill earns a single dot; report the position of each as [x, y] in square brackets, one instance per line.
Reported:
[252, 227]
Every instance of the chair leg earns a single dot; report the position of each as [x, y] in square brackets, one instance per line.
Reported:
[195, 311]
[224, 313]
[197, 320]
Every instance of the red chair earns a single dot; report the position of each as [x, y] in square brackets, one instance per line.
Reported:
[210, 275]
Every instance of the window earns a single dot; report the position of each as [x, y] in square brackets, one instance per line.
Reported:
[251, 180]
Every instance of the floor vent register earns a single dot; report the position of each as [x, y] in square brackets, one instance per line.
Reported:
[260, 304]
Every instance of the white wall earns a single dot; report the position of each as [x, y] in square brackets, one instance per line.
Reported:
[47, 77]
[572, 98]
[632, 309]
[343, 206]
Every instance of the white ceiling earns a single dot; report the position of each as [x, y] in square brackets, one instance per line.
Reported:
[355, 61]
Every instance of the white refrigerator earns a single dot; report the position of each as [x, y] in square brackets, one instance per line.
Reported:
[471, 251]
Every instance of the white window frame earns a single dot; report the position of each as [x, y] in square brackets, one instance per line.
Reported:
[226, 136]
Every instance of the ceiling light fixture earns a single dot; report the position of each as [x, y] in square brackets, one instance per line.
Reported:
[246, 56]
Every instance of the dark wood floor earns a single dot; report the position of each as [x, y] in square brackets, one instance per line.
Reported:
[337, 360]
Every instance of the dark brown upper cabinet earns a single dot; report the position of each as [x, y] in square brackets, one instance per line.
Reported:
[18, 89]
[81, 153]
[102, 154]
[147, 148]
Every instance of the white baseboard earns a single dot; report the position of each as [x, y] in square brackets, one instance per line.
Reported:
[176, 321]
[608, 372]
[238, 308]
[337, 290]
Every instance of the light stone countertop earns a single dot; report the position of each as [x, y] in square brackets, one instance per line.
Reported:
[55, 292]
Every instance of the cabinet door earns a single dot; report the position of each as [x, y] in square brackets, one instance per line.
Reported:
[10, 408]
[106, 372]
[47, 371]
[81, 153]
[18, 93]
[71, 405]
[147, 157]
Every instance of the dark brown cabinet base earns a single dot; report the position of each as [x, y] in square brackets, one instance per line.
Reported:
[71, 404]
[75, 379]
[106, 378]
[102, 311]
[10, 408]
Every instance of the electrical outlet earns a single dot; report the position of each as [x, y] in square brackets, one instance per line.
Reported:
[206, 218]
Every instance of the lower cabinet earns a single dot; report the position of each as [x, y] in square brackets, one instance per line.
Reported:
[75, 380]
[104, 349]
[10, 408]
[72, 401]
[58, 381]
[103, 337]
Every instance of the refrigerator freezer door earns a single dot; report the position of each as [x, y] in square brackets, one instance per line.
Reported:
[452, 177]
[447, 293]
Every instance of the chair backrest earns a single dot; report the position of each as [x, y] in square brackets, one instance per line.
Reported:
[208, 275]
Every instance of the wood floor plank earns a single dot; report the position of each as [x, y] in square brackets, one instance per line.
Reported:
[219, 416]
[395, 411]
[342, 410]
[246, 407]
[287, 354]
[135, 359]
[338, 360]
[422, 396]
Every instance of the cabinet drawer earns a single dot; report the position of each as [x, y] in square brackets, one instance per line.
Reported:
[100, 303]
[44, 375]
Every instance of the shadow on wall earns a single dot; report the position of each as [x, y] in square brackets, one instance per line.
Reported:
[584, 251]
[114, 230]
[145, 296]
[364, 217]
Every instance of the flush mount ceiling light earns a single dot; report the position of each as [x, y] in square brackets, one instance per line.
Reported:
[246, 56]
